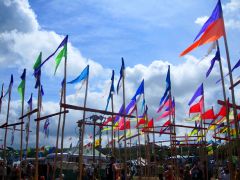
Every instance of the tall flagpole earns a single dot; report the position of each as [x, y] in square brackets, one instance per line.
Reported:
[58, 130]
[23, 97]
[139, 144]
[27, 129]
[113, 132]
[227, 109]
[6, 129]
[81, 134]
[1, 98]
[64, 114]
[124, 119]
[37, 129]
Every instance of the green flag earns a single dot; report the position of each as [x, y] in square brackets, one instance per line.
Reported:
[21, 87]
[62, 53]
[38, 61]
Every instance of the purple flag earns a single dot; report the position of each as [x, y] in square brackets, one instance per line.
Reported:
[199, 92]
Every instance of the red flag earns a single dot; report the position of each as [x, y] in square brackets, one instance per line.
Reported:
[141, 121]
[222, 112]
[150, 124]
[121, 127]
[209, 114]
[197, 108]
[109, 119]
[211, 31]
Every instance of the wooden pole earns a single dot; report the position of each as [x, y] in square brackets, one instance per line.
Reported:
[94, 134]
[21, 138]
[81, 134]
[37, 129]
[57, 139]
[1, 98]
[139, 146]
[64, 114]
[124, 119]
[27, 132]
[113, 132]
[6, 129]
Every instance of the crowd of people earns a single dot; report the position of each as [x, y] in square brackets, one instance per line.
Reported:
[116, 171]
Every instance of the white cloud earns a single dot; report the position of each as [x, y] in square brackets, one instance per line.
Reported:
[201, 20]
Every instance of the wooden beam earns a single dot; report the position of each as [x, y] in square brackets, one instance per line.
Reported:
[235, 84]
[159, 132]
[69, 106]
[196, 145]
[188, 136]
[97, 124]
[221, 138]
[12, 129]
[51, 115]
[29, 113]
[184, 126]
[131, 137]
[229, 104]
[9, 125]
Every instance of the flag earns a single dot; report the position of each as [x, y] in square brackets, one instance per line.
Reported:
[139, 91]
[197, 108]
[97, 142]
[194, 118]
[30, 102]
[209, 114]
[211, 31]
[198, 93]
[46, 128]
[111, 90]
[211, 48]
[62, 53]
[216, 58]
[222, 112]
[165, 114]
[166, 103]
[121, 75]
[10, 86]
[12, 137]
[121, 124]
[84, 74]
[37, 65]
[172, 106]
[150, 124]
[168, 86]
[37, 73]
[62, 44]
[141, 121]
[21, 87]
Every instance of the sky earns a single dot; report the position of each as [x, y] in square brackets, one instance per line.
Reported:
[149, 35]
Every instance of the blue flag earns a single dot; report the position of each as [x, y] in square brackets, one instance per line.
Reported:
[168, 86]
[111, 90]
[216, 58]
[121, 75]
[84, 74]
[139, 91]
[198, 93]
[30, 102]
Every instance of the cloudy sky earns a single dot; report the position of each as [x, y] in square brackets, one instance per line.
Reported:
[149, 35]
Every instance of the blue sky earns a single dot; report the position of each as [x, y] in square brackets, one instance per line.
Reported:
[149, 34]
[140, 31]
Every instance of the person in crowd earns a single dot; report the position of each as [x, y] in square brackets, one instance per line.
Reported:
[168, 174]
[160, 172]
[196, 172]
